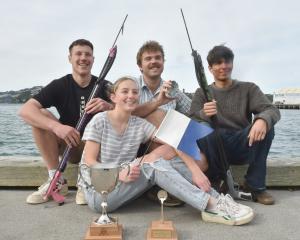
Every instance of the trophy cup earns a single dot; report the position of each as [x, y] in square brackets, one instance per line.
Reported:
[104, 178]
[161, 229]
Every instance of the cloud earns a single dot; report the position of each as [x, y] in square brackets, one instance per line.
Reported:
[264, 36]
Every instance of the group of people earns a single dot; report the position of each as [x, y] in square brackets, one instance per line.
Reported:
[126, 115]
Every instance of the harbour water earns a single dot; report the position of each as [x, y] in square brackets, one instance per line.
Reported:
[16, 137]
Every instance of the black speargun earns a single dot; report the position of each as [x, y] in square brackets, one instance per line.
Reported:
[233, 187]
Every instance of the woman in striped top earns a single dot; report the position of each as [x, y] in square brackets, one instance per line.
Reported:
[115, 136]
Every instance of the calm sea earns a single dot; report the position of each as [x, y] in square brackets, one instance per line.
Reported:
[16, 136]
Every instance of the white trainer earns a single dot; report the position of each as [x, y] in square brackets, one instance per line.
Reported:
[38, 196]
[228, 212]
[80, 198]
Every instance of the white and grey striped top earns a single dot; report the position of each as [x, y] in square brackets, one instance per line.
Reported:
[114, 147]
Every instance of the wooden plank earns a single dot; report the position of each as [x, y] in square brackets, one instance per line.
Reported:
[277, 175]
[31, 172]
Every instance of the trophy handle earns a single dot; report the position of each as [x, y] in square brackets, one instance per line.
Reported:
[125, 165]
[81, 166]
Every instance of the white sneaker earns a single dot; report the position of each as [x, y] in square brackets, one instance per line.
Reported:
[80, 198]
[38, 196]
[228, 212]
[234, 203]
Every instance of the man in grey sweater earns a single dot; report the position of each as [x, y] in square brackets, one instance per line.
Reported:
[246, 120]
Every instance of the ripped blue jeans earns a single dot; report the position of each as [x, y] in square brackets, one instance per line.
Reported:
[172, 175]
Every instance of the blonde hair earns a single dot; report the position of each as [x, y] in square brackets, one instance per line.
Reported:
[119, 81]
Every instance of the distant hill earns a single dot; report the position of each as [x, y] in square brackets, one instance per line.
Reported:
[23, 95]
[20, 96]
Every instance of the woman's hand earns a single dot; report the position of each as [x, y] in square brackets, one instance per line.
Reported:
[198, 177]
[201, 181]
[132, 175]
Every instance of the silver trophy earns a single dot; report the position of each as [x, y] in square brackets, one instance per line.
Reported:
[104, 178]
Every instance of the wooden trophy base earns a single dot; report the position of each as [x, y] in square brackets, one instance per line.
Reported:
[104, 232]
[162, 231]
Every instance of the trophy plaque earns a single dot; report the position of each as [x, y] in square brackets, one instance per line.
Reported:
[162, 229]
[104, 178]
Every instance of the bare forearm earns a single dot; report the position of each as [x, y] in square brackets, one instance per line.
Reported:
[31, 113]
[145, 109]
[198, 177]
[189, 162]
[91, 151]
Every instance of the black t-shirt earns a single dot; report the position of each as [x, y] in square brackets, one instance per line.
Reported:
[69, 98]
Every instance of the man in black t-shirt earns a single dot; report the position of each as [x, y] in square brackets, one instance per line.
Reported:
[69, 95]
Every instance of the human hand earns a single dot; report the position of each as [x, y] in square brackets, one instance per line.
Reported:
[162, 96]
[258, 131]
[201, 181]
[69, 134]
[132, 175]
[210, 108]
[97, 105]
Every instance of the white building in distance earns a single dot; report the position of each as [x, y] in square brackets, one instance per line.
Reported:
[287, 96]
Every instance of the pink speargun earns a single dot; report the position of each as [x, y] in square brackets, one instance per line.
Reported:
[53, 190]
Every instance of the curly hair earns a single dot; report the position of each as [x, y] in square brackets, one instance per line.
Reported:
[149, 46]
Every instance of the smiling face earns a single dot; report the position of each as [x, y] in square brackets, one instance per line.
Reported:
[222, 70]
[82, 59]
[152, 64]
[220, 64]
[125, 94]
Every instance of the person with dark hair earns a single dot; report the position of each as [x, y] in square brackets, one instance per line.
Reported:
[246, 119]
[154, 99]
[69, 95]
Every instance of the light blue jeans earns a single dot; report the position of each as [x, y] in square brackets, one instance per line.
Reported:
[172, 175]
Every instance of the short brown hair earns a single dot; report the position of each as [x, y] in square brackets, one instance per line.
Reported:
[81, 42]
[149, 46]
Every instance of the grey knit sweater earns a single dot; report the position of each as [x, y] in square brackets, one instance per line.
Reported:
[238, 106]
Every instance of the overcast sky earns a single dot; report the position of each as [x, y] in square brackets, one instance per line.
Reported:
[264, 36]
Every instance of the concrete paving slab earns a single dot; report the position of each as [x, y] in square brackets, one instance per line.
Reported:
[49, 221]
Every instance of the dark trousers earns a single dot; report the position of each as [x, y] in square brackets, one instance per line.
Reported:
[236, 145]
